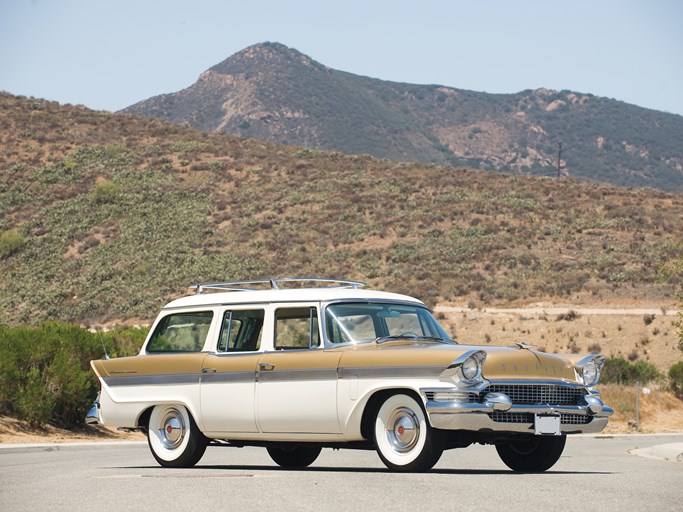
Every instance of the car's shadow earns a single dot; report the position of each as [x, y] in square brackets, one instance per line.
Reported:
[324, 469]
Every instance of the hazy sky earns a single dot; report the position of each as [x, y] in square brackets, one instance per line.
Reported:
[108, 54]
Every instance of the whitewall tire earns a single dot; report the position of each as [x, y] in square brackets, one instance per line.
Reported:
[403, 437]
[173, 437]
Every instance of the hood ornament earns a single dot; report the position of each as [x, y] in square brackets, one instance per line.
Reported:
[524, 345]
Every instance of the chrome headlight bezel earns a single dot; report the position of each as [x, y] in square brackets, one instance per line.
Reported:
[467, 369]
[590, 369]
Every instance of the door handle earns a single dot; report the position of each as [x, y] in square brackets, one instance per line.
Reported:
[266, 367]
[208, 370]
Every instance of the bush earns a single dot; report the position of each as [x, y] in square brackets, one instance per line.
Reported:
[676, 376]
[619, 371]
[45, 374]
[105, 192]
[569, 316]
[10, 242]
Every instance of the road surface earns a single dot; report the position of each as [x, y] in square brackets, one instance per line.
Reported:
[594, 473]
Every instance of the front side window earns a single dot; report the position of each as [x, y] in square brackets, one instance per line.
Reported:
[181, 332]
[351, 323]
[296, 328]
[241, 331]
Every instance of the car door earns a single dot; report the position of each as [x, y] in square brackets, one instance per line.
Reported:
[297, 380]
[229, 372]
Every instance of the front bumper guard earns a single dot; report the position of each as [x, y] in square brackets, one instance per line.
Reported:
[454, 415]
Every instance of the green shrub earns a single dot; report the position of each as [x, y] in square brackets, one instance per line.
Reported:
[45, 374]
[11, 241]
[105, 192]
[676, 376]
[619, 371]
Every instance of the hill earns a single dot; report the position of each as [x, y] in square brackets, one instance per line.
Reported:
[274, 93]
[106, 216]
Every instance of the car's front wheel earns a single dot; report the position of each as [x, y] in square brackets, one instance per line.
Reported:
[532, 455]
[295, 456]
[173, 437]
[404, 439]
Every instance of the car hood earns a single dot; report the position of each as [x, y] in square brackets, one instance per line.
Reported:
[501, 363]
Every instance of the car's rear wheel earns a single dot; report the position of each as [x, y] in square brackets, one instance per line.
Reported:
[532, 455]
[404, 439]
[173, 437]
[295, 456]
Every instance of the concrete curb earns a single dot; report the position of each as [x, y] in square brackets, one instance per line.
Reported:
[671, 451]
[58, 447]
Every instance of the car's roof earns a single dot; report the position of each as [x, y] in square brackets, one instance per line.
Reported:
[288, 295]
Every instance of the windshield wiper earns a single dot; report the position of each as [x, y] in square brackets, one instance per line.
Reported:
[409, 336]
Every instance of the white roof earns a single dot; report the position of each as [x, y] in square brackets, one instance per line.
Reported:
[288, 295]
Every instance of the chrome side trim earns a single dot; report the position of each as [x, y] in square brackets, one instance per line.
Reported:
[298, 375]
[235, 377]
[371, 372]
[149, 380]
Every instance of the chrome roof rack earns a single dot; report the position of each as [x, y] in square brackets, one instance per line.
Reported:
[273, 283]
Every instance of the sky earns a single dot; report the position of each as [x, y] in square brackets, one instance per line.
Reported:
[109, 54]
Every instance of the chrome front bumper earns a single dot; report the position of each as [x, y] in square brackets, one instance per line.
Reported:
[497, 413]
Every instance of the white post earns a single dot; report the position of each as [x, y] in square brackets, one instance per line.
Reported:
[637, 407]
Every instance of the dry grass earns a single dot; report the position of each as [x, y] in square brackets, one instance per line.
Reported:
[625, 336]
[659, 410]
[14, 431]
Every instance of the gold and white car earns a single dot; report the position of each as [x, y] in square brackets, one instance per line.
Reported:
[297, 369]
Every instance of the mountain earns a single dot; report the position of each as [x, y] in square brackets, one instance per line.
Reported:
[274, 93]
[107, 216]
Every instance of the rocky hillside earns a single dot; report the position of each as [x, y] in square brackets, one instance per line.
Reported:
[107, 216]
[274, 93]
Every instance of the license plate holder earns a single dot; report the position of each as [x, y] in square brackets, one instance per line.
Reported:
[547, 425]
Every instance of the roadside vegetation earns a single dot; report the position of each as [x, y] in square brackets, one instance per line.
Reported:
[106, 217]
[45, 374]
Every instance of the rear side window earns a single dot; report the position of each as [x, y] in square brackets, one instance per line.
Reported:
[181, 332]
[241, 331]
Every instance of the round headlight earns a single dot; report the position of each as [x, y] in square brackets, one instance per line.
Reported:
[470, 368]
[590, 373]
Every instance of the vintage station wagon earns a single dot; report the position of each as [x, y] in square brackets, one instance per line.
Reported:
[297, 369]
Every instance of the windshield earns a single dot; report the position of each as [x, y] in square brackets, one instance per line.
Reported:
[358, 322]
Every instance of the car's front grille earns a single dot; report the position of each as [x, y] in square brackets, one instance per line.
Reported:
[575, 419]
[539, 394]
[512, 417]
[527, 417]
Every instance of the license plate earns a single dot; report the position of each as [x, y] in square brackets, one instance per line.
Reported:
[547, 425]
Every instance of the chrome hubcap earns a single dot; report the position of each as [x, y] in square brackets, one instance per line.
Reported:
[172, 429]
[403, 430]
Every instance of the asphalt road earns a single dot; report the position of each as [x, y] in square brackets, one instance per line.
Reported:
[594, 474]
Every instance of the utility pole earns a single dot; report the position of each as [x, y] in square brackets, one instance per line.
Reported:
[559, 159]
